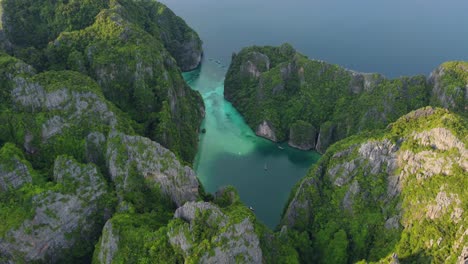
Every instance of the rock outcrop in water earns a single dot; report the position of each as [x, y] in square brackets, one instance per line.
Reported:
[285, 96]
[400, 190]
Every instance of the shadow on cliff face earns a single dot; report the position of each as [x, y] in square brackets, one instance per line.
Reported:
[304, 159]
[419, 257]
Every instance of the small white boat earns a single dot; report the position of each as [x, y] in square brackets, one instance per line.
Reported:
[280, 147]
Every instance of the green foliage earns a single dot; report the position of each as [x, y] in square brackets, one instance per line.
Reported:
[16, 206]
[342, 233]
[142, 238]
[124, 52]
[128, 47]
[35, 23]
[227, 196]
[88, 52]
[278, 247]
[144, 195]
[337, 101]
[453, 82]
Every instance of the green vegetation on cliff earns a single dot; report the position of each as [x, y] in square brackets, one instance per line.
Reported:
[283, 95]
[134, 50]
[396, 191]
[101, 71]
[78, 160]
[450, 83]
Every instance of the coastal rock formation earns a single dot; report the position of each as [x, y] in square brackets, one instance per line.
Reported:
[302, 135]
[450, 86]
[134, 51]
[399, 183]
[313, 104]
[265, 130]
[108, 73]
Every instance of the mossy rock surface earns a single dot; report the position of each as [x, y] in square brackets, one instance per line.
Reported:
[396, 190]
[280, 87]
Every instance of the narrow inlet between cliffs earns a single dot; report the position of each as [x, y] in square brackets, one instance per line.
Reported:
[229, 152]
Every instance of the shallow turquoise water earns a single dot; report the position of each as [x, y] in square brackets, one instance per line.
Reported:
[230, 153]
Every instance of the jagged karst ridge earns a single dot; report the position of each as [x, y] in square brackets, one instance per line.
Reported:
[401, 190]
[283, 95]
[133, 49]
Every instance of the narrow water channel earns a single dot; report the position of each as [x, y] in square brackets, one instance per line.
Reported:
[230, 154]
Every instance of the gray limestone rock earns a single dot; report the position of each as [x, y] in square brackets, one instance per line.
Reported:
[446, 96]
[265, 130]
[63, 219]
[109, 244]
[135, 156]
[232, 241]
[255, 65]
[14, 171]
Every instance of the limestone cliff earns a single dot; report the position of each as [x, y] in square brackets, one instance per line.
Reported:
[199, 232]
[134, 50]
[230, 240]
[132, 157]
[283, 95]
[450, 86]
[56, 213]
[399, 190]
[54, 222]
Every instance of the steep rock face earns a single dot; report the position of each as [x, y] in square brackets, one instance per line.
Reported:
[53, 112]
[180, 40]
[280, 87]
[138, 74]
[450, 86]
[65, 220]
[108, 244]
[14, 171]
[131, 158]
[302, 135]
[198, 232]
[265, 130]
[132, 49]
[326, 136]
[397, 184]
[232, 241]
[31, 96]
